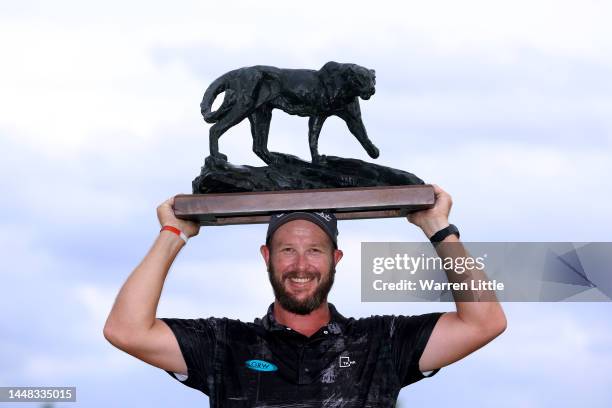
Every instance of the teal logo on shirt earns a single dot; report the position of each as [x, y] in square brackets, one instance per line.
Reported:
[260, 365]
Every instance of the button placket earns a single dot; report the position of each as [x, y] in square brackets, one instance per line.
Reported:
[301, 369]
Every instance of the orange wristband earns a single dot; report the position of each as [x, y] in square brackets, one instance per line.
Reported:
[175, 230]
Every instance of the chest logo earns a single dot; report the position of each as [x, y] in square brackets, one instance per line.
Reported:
[345, 361]
[260, 365]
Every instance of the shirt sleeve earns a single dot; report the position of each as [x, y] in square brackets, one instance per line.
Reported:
[198, 341]
[409, 336]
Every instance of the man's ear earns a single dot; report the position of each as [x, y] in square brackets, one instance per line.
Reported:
[265, 252]
[338, 254]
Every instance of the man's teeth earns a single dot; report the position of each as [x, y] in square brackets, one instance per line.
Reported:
[301, 280]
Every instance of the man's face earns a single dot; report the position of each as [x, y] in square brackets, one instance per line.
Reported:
[301, 264]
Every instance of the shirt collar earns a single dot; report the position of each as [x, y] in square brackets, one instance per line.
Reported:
[336, 325]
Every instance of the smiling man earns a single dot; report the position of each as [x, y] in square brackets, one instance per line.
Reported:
[303, 351]
[301, 254]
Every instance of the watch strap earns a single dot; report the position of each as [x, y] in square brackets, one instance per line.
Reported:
[443, 233]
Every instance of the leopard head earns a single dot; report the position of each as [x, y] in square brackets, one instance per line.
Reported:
[349, 80]
[361, 80]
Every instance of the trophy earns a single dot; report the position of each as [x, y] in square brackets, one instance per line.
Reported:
[226, 193]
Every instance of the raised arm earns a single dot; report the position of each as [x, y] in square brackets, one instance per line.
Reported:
[474, 323]
[132, 325]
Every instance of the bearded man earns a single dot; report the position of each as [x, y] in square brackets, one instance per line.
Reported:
[303, 352]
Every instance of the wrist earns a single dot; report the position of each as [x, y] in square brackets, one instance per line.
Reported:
[177, 232]
[432, 226]
[445, 234]
[171, 243]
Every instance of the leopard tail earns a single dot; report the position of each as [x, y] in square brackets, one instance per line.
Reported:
[211, 93]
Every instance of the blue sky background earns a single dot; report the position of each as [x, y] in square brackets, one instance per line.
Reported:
[506, 105]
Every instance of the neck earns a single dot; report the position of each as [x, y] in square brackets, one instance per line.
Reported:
[304, 324]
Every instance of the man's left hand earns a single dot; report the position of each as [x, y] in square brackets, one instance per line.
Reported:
[433, 219]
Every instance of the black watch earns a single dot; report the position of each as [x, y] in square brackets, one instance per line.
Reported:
[443, 233]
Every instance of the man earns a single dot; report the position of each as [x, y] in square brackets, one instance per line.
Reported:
[303, 351]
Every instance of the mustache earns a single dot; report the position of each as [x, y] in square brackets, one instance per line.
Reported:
[297, 274]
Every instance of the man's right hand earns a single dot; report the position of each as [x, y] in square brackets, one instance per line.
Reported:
[131, 325]
[165, 214]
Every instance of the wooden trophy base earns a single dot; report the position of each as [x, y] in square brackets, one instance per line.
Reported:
[345, 203]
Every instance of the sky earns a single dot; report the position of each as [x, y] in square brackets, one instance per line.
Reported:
[506, 105]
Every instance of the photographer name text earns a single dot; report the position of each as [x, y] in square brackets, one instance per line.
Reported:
[430, 284]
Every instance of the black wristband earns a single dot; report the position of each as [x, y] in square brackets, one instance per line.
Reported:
[443, 233]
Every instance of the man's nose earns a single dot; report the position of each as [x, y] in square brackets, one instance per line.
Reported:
[301, 262]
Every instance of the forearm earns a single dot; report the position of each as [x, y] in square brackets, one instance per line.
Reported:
[479, 317]
[136, 304]
[479, 305]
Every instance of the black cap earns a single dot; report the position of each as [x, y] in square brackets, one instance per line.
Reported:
[326, 220]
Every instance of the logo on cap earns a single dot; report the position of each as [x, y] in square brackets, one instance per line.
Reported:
[325, 216]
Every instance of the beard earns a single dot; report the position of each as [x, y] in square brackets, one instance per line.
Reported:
[305, 306]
